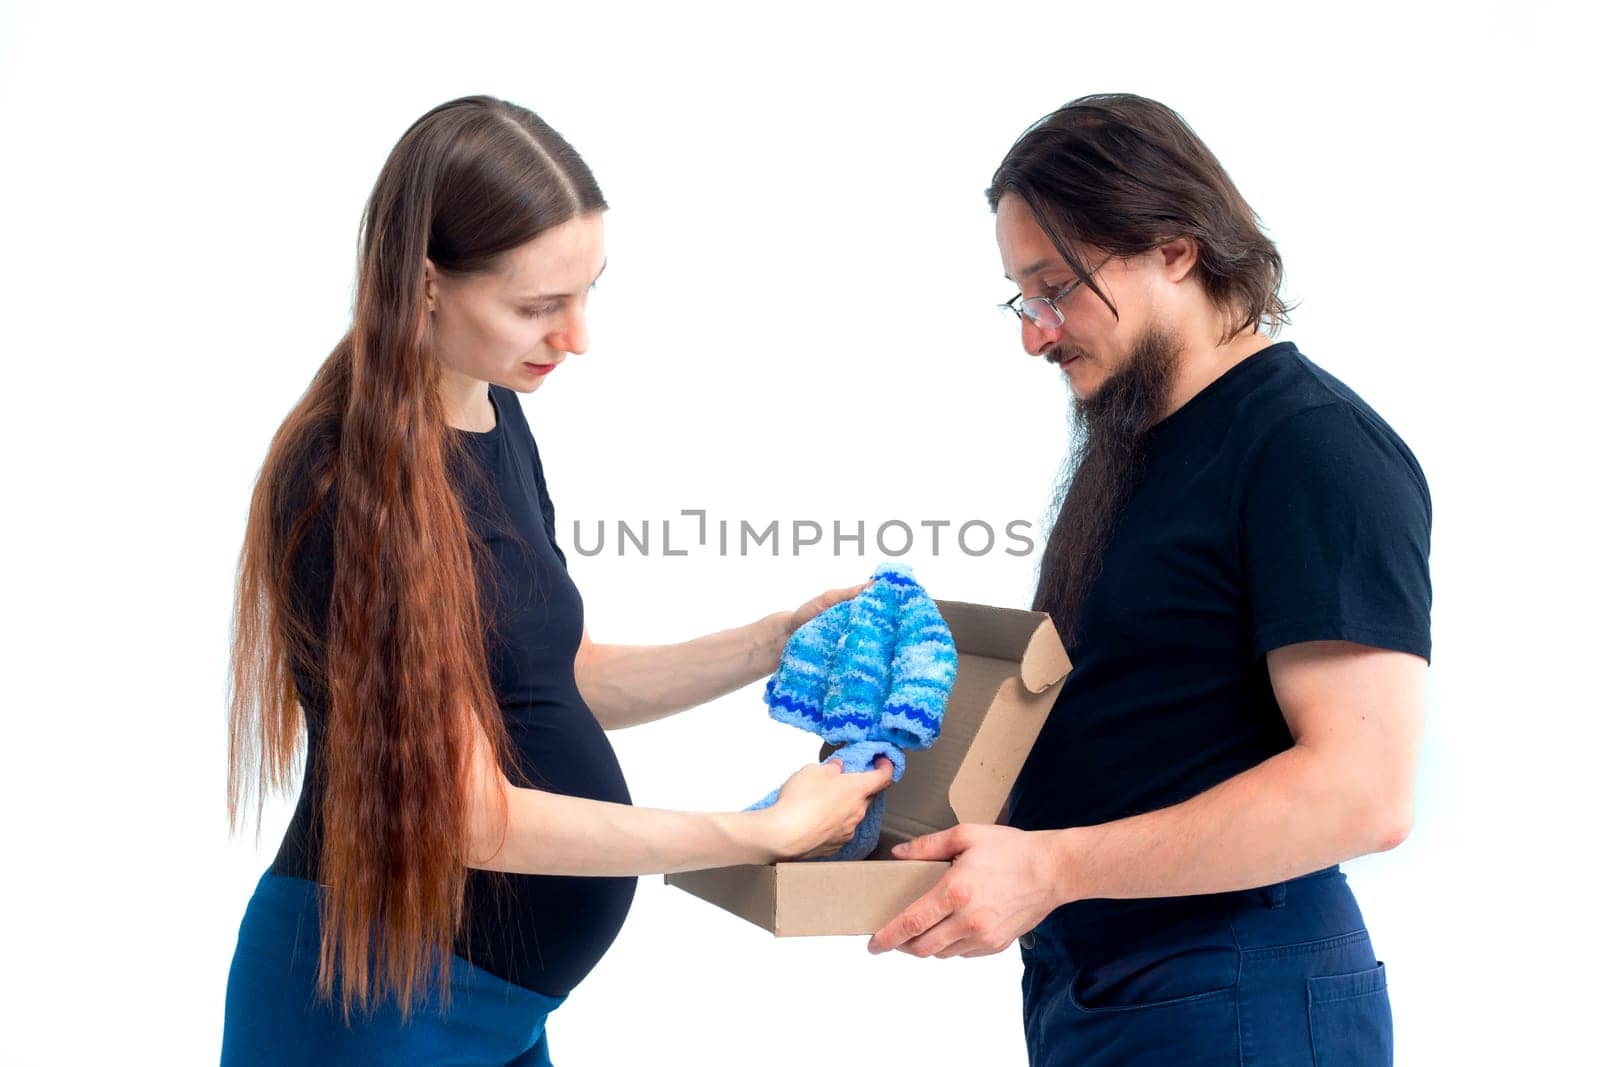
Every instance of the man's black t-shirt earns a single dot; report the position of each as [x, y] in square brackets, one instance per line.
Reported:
[1275, 507]
[540, 931]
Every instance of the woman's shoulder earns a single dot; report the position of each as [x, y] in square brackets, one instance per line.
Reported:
[509, 403]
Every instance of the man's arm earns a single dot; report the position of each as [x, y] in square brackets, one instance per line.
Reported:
[1342, 790]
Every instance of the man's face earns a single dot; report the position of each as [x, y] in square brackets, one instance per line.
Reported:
[1121, 372]
[1091, 344]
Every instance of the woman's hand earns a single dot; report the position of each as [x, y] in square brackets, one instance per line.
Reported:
[819, 807]
[820, 603]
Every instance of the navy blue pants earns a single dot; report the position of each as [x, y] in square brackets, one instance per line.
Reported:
[273, 1016]
[1284, 974]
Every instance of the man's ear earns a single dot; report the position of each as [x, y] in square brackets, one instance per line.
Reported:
[1178, 257]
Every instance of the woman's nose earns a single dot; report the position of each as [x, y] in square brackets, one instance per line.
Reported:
[575, 338]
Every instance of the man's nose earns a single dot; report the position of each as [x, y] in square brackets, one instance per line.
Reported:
[1036, 339]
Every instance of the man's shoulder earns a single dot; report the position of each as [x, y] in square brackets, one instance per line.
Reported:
[1294, 392]
[1305, 416]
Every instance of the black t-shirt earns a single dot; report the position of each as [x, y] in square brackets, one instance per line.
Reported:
[543, 932]
[1276, 507]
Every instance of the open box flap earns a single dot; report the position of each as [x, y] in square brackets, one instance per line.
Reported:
[1027, 638]
[1010, 664]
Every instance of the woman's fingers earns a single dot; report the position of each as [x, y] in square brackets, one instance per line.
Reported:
[881, 777]
[822, 602]
[822, 813]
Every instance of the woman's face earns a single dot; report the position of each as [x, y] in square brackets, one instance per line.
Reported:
[515, 325]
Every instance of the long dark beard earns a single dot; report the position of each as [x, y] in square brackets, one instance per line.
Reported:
[1103, 466]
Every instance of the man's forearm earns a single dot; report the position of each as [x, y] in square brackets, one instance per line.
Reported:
[1294, 813]
[625, 685]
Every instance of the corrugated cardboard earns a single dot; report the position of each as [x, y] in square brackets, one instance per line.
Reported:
[1010, 666]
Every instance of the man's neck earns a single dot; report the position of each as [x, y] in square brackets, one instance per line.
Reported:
[1200, 365]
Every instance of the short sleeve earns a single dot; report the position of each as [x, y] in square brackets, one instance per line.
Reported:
[1335, 527]
[546, 508]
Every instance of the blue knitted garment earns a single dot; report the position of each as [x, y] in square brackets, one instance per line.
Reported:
[872, 674]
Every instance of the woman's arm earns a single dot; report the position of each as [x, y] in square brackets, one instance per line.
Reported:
[625, 685]
[530, 831]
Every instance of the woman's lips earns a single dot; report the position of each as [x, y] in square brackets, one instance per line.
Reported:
[541, 368]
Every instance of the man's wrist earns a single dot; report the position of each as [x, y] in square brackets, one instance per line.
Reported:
[1071, 871]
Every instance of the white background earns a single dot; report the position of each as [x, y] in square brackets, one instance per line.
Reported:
[797, 322]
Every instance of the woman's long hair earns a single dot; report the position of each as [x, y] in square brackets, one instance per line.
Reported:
[403, 669]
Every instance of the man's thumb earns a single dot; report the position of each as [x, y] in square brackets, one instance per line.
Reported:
[939, 846]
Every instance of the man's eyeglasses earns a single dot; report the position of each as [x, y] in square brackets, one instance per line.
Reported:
[1045, 311]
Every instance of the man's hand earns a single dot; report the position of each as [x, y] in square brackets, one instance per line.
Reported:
[1003, 881]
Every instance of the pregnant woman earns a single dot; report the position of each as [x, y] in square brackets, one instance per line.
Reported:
[464, 848]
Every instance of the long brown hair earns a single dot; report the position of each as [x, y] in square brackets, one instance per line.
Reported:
[1124, 174]
[404, 666]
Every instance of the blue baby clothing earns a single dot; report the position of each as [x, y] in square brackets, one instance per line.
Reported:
[872, 674]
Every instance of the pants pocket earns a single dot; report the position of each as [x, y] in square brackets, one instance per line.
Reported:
[1351, 1025]
[1176, 961]
[1194, 1030]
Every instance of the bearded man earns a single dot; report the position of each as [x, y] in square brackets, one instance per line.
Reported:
[1239, 571]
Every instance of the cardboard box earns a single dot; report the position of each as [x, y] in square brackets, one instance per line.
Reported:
[1010, 666]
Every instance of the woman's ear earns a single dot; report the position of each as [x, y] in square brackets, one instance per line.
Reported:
[428, 276]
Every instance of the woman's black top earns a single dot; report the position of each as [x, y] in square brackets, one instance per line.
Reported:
[544, 932]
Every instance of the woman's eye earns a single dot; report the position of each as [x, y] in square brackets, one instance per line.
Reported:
[535, 312]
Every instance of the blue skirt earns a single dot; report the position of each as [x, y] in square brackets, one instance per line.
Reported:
[273, 1015]
[1284, 974]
